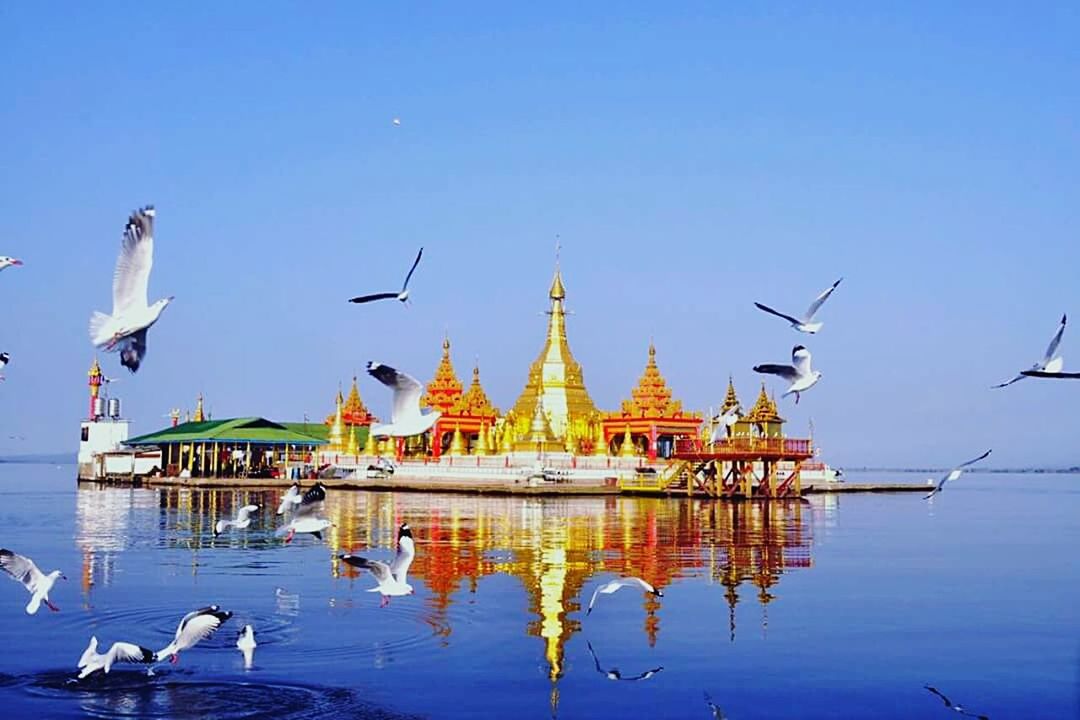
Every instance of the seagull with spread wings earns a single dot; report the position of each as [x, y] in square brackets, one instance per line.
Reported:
[615, 585]
[403, 295]
[37, 583]
[242, 521]
[798, 373]
[406, 419]
[92, 661]
[954, 474]
[804, 323]
[392, 578]
[1050, 365]
[194, 627]
[952, 706]
[132, 315]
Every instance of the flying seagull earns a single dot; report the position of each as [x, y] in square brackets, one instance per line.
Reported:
[723, 422]
[125, 330]
[403, 296]
[955, 473]
[803, 324]
[405, 416]
[392, 578]
[958, 708]
[243, 519]
[1049, 366]
[37, 583]
[614, 674]
[396, 122]
[246, 643]
[308, 516]
[4, 360]
[194, 627]
[608, 588]
[290, 499]
[798, 373]
[91, 661]
[6, 262]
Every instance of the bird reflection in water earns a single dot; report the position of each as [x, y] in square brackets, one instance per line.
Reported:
[614, 673]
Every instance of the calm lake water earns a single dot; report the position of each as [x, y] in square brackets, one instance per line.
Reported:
[839, 607]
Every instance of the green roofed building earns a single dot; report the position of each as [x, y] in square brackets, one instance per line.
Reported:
[240, 447]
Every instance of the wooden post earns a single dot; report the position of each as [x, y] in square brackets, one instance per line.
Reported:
[202, 460]
[214, 461]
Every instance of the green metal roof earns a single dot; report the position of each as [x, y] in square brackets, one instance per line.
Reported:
[250, 429]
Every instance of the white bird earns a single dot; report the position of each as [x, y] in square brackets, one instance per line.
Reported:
[4, 360]
[308, 516]
[798, 373]
[723, 422]
[393, 578]
[403, 295]
[955, 473]
[91, 661]
[37, 583]
[194, 627]
[246, 643]
[290, 499]
[1049, 366]
[242, 521]
[406, 419]
[125, 330]
[608, 588]
[803, 324]
[6, 262]
[397, 122]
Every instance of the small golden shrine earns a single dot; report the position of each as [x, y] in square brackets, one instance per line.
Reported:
[349, 413]
[650, 415]
[763, 420]
[199, 415]
[466, 415]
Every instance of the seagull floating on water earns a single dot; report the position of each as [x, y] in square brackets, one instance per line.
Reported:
[955, 473]
[37, 583]
[952, 706]
[246, 643]
[403, 296]
[392, 578]
[804, 323]
[91, 661]
[1049, 366]
[125, 330]
[243, 519]
[608, 588]
[406, 419]
[798, 373]
[194, 627]
[614, 674]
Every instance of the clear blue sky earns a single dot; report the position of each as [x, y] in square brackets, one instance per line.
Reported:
[693, 160]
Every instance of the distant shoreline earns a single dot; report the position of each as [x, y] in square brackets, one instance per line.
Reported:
[998, 471]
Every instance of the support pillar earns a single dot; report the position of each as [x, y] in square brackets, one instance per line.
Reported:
[214, 461]
[399, 449]
[202, 460]
[651, 453]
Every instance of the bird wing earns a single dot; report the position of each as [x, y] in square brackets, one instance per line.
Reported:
[785, 371]
[416, 262]
[88, 653]
[1055, 341]
[596, 660]
[766, 308]
[405, 553]
[645, 675]
[373, 297]
[132, 275]
[634, 582]
[592, 600]
[819, 301]
[129, 652]
[314, 494]
[194, 630]
[800, 359]
[1059, 375]
[972, 462]
[1008, 382]
[20, 568]
[245, 512]
[937, 692]
[407, 391]
[133, 350]
[380, 570]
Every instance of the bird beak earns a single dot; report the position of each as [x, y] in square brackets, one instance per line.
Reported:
[63, 577]
[15, 261]
[171, 298]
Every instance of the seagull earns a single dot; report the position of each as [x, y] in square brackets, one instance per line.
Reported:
[614, 674]
[614, 585]
[396, 122]
[392, 578]
[6, 262]
[194, 627]
[405, 416]
[403, 296]
[798, 373]
[246, 642]
[243, 519]
[717, 713]
[4, 360]
[91, 661]
[125, 330]
[1049, 366]
[37, 583]
[723, 422]
[308, 515]
[949, 704]
[804, 324]
[290, 499]
[955, 473]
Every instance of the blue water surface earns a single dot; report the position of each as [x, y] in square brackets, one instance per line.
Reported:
[834, 607]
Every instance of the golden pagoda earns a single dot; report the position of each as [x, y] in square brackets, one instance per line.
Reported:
[555, 380]
[763, 419]
[337, 427]
[466, 412]
[444, 390]
[731, 400]
[199, 416]
[475, 400]
[355, 413]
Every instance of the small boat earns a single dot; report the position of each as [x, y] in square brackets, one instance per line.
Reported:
[820, 472]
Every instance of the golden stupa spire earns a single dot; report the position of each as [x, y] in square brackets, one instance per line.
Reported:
[443, 393]
[555, 379]
[352, 448]
[652, 396]
[481, 447]
[600, 446]
[475, 400]
[627, 449]
[370, 448]
[764, 409]
[457, 444]
[199, 416]
[337, 428]
[731, 400]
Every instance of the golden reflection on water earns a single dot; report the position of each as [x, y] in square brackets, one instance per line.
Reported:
[553, 546]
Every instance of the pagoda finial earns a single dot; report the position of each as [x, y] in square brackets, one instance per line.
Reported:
[731, 400]
[627, 449]
[199, 415]
[446, 345]
[557, 292]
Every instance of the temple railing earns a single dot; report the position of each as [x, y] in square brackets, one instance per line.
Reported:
[745, 446]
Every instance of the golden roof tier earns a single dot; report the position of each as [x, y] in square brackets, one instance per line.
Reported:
[731, 400]
[762, 420]
[464, 414]
[444, 390]
[555, 381]
[652, 397]
[353, 411]
[475, 400]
